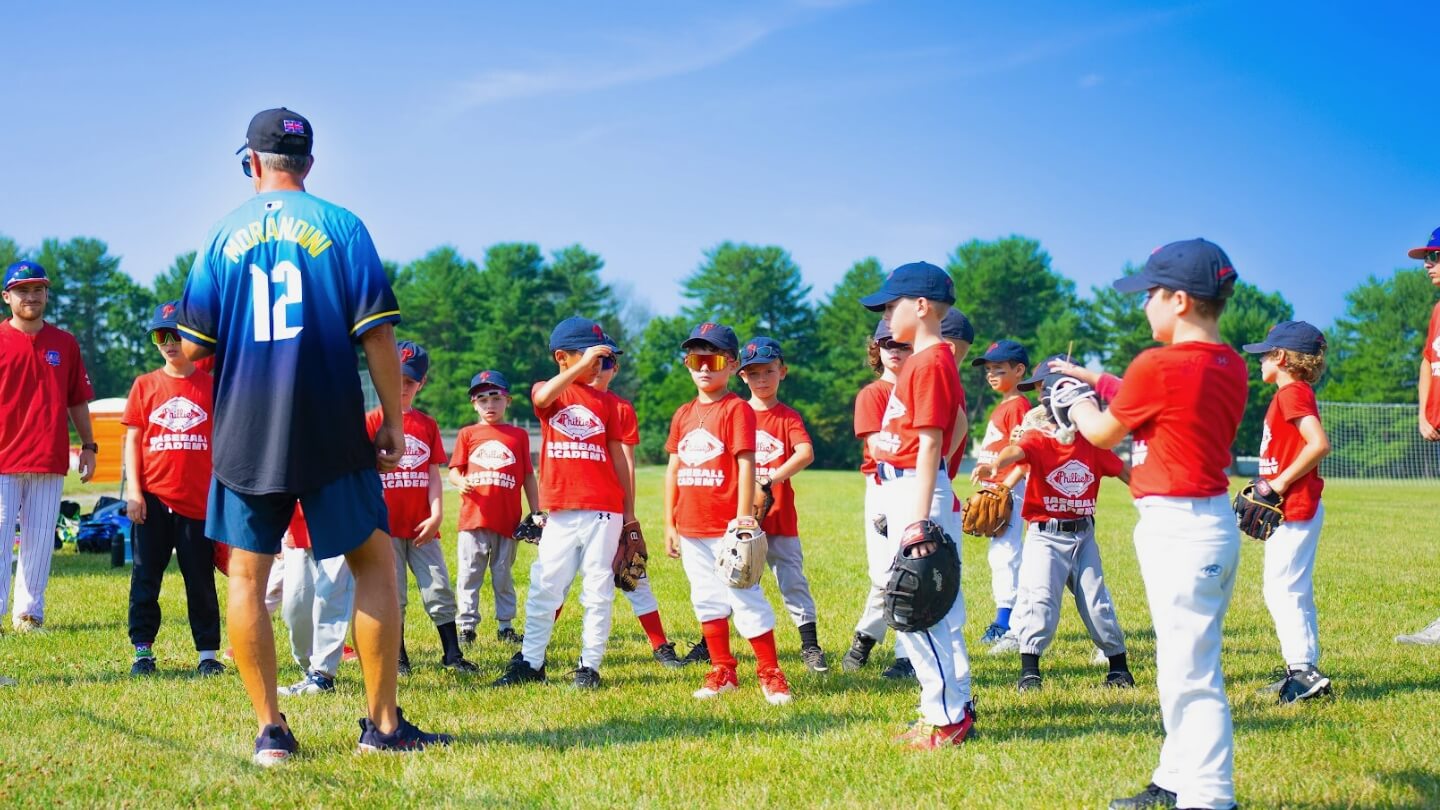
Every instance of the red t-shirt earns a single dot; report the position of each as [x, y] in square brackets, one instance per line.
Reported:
[629, 423]
[1064, 479]
[206, 364]
[1182, 403]
[869, 407]
[778, 432]
[1007, 416]
[173, 417]
[952, 464]
[1282, 442]
[496, 459]
[407, 487]
[41, 378]
[299, 530]
[707, 437]
[926, 396]
[576, 471]
[1432, 356]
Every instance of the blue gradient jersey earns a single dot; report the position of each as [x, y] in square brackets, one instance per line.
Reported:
[283, 288]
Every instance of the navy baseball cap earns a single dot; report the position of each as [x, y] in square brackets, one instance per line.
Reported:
[614, 347]
[25, 272]
[279, 132]
[1297, 336]
[882, 332]
[1003, 351]
[1194, 266]
[576, 334]
[760, 350]
[914, 280]
[164, 317]
[1042, 375]
[718, 335]
[1433, 244]
[414, 360]
[956, 326]
[489, 379]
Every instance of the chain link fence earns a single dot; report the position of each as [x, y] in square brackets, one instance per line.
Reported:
[1377, 441]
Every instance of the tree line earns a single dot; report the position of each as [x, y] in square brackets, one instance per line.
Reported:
[498, 313]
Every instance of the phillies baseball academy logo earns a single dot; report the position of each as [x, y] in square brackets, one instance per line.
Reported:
[178, 415]
[767, 448]
[1435, 350]
[1072, 478]
[52, 357]
[894, 409]
[492, 455]
[1268, 464]
[416, 453]
[698, 447]
[577, 422]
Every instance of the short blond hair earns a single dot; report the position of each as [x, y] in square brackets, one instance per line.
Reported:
[1306, 368]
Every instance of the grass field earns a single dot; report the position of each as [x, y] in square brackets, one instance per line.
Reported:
[79, 731]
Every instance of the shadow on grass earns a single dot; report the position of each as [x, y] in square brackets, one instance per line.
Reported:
[663, 727]
[1424, 784]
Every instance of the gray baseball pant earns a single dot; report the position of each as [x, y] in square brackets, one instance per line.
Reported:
[788, 564]
[476, 551]
[1050, 561]
[319, 600]
[431, 577]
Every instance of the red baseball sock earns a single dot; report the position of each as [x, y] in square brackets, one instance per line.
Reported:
[717, 639]
[765, 656]
[653, 628]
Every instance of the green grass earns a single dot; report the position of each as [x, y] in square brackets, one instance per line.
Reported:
[78, 731]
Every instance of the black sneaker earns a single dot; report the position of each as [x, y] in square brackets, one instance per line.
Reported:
[1278, 677]
[1304, 684]
[404, 738]
[1153, 796]
[508, 634]
[518, 671]
[403, 668]
[586, 678]
[665, 654]
[460, 665]
[1029, 682]
[467, 637]
[814, 658]
[209, 668]
[699, 654]
[1120, 679]
[900, 670]
[144, 665]
[274, 745]
[859, 653]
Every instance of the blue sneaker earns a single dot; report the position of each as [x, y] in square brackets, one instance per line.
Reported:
[274, 745]
[993, 634]
[405, 738]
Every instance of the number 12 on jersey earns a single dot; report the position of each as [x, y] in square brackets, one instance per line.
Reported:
[272, 321]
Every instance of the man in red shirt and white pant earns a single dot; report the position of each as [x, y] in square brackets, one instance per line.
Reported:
[42, 384]
[1429, 396]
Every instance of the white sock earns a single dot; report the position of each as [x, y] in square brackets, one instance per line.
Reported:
[207, 655]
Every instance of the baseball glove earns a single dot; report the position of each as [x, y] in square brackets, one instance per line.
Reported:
[921, 590]
[630, 557]
[740, 554]
[1058, 397]
[531, 528]
[1037, 418]
[767, 500]
[987, 513]
[1257, 509]
[881, 524]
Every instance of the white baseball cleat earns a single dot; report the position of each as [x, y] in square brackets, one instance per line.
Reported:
[1008, 643]
[775, 687]
[718, 681]
[29, 624]
[1430, 635]
[1100, 657]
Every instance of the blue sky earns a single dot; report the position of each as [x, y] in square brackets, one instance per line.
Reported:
[1300, 137]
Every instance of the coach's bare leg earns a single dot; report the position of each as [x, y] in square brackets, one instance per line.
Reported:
[377, 626]
[248, 624]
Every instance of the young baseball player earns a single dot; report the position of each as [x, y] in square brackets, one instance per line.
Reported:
[1059, 550]
[642, 599]
[886, 358]
[1429, 395]
[1182, 402]
[919, 423]
[585, 491]
[1293, 444]
[490, 467]
[167, 481]
[709, 489]
[1005, 363]
[782, 449]
[319, 597]
[414, 498]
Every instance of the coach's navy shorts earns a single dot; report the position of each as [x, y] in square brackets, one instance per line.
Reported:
[340, 515]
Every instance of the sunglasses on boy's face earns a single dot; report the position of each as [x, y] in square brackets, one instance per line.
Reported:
[706, 362]
[606, 363]
[162, 336]
[487, 396]
[1432, 257]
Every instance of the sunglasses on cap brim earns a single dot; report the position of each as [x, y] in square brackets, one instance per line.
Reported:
[706, 362]
[488, 394]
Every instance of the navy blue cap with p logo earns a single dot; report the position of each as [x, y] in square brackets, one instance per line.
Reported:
[1195, 266]
[576, 334]
[489, 379]
[718, 335]
[1297, 336]
[760, 350]
[1003, 351]
[414, 360]
[914, 280]
[956, 326]
[165, 316]
[1042, 375]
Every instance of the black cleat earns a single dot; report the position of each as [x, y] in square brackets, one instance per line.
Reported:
[467, 637]
[461, 666]
[1029, 682]
[143, 666]
[859, 653]
[1304, 684]
[814, 658]
[209, 668]
[665, 655]
[518, 671]
[699, 654]
[901, 670]
[508, 634]
[1120, 679]
[1153, 797]
[403, 668]
[586, 678]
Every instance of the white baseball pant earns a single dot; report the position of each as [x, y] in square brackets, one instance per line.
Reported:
[275, 585]
[431, 578]
[879, 553]
[713, 599]
[938, 654]
[33, 499]
[573, 542]
[1290, 588]
[319, 600]
[1050, 561]
[642, 599]
[1005, 551]
[1189, 550]
[787, 562]
[476, 551]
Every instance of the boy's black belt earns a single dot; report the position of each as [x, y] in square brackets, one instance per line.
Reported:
[1062, 526]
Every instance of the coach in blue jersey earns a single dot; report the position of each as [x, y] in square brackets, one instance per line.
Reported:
[281, 291]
